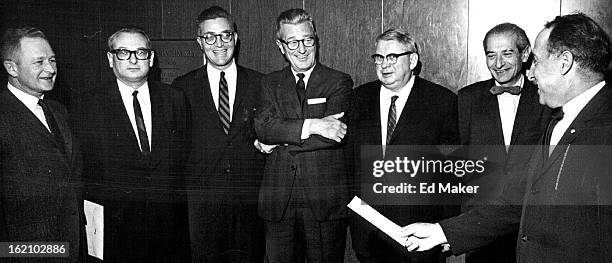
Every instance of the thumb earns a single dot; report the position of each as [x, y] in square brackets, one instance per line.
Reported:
[337, 115]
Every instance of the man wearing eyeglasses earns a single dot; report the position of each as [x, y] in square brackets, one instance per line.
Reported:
[400, 108]
[305, 189]
[133, 133]
[224, 168]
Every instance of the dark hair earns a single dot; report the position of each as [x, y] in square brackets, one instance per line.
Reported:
[131, 30]
[294, 16]
[522, 41]
[11, 40]
[584, 38]
[214, 12]
[400, 36]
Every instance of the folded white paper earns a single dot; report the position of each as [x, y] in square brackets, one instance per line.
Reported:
[377, 219]
[316, 101]
[94, 213]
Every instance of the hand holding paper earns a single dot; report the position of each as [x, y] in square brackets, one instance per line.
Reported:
[422, 236]
[380, 221]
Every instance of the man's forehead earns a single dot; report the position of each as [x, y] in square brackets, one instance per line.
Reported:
[502, 41]
[35, 46]
[127, 39]
[295, 30]
[218, 24]
[390, 46]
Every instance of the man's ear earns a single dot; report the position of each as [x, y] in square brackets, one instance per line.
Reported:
[567, 61]
[280, 46]
[11, 68]
[200, 43]
[109, 56]
[414, 60]
[151, 58]
[525, 53]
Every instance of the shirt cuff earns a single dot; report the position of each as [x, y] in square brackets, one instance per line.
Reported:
[305, 129]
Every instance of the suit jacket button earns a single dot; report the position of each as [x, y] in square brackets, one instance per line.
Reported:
[49, 171]
[228, 170]
[524, 238]
[229, 144]
[293, 167]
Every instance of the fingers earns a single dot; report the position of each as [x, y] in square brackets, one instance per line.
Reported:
[412, 244]
[409, 230]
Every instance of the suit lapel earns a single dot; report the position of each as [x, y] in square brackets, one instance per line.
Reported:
[585, 120]
[159, 112]
[288, 86]
[207, 103]
[242, 86]
[491, 115]
[119, 118]
[527, 107]
[30, 119]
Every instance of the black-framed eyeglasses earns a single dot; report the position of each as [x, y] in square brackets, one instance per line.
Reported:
[124, 54]
[210, 38]
[391, 58]
[294, 44]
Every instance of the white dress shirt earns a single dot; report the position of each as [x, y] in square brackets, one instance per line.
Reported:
[144, 100]
[385, 103]
[231, 76]
[571, 109]
[31, 103]
[508, 105]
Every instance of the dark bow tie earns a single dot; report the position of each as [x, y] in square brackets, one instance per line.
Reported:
[514, 90]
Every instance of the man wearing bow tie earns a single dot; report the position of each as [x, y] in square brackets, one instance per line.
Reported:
[503, 110]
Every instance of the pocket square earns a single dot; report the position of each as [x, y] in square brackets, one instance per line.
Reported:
[316, 101]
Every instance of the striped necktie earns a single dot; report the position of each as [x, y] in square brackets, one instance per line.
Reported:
[391, 121]
[224, 108]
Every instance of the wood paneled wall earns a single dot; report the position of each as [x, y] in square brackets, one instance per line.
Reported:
[449, 32]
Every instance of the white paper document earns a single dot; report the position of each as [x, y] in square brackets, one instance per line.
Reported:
[94, 213]
[377, 219]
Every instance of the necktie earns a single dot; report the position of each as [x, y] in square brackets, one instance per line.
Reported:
[224, 109]
[140, 125]
[391, 121]
[50, 119]
[514, 90]
[300, 88]
[557, 115]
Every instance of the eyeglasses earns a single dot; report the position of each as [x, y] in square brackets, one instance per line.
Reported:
[210, 38]
[391, 58]
[294, 44]
[124, 54]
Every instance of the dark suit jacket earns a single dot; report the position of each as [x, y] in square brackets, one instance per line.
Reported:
[565, 214]
[317, 163]
[480, 127]
[145, 217]
[40, 198]
[429, 117]
[222, 169]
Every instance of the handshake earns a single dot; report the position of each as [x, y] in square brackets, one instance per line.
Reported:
[422, 236]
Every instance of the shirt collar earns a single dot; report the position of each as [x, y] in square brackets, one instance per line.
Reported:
[126, 91]
[229, 71]
[306, 73]
[575, 105]
[27, 99]
[519, 82]
[403, 93]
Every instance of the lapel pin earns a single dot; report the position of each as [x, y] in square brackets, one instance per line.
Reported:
[572, 131]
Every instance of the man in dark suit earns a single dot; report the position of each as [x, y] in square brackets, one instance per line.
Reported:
[40, 198]
[304, 192]
[562, 206]
[501, 111]
[224, 167]
[133, 134]
[399, 108]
